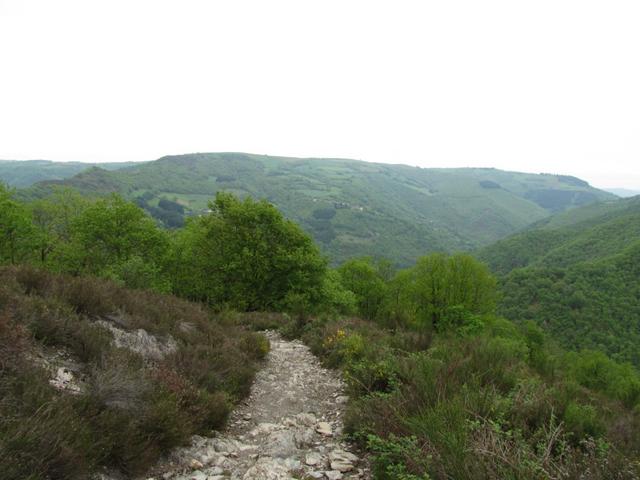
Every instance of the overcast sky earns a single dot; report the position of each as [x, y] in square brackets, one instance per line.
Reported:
[541, 86]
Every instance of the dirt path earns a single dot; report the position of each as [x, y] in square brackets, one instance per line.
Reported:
[289, 428]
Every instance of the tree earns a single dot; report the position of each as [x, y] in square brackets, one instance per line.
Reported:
[53, 219]
[16, 232]
[246, 255]
[363, 277]
[443, 288]
[112, 237]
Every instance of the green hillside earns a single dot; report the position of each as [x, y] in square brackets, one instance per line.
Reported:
[352, 208]
[580, 280]
[23, 173]
[119, 340]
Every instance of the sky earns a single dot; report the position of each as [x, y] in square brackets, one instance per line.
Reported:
[536, 86]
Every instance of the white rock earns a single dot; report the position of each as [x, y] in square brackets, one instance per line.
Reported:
[267, 469]
[140, 341]
[280, 444]
[292, 464]
[341, 466]
[306, 419]
[304, 437]
[264, 429]
[342, 455]
[333, 475]
[198, 475]
[313, 458]
[323, 428]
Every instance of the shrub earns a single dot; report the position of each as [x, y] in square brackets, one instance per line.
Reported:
[582, 421]
[398, 458]
[499, 402]
[130, 411]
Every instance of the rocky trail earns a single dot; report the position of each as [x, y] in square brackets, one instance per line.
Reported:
[290, 427]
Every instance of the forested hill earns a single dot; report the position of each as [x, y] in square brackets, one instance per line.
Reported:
[352, 208]
[578, 276]
[120, 340]
[23, 173]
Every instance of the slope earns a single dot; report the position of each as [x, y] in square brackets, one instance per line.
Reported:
[581, 280]
[23, 173]
[351, 207]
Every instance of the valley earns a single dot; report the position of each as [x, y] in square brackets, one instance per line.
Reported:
[351, 208]
[236, 345]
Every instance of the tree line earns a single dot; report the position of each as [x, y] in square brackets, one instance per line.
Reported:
[242, 255]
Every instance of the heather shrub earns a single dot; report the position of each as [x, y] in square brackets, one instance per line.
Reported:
[130, 410]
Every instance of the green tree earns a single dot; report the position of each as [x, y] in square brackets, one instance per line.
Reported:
[114, 238]
[443, 288]
[246, 255]
[335, 297]
[53, 219]
[363, 277]
[188, 263]
[16, 231]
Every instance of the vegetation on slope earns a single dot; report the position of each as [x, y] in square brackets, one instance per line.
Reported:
[441, 387]
[465, 394]
[129, 411]
[577, 280]
[351, 208]
[242, 255]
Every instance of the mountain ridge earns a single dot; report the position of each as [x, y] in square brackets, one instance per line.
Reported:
[24, 173]
[351, 207]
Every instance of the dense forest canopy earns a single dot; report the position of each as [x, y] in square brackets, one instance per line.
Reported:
[577, 276]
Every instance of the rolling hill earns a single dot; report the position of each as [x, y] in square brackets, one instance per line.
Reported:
[23, 173]
[578, 275]
[351, 207]
[623, 192]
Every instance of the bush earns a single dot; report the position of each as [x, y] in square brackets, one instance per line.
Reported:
[398, 458]
[130, 410]
[498, 402]
[582, 421]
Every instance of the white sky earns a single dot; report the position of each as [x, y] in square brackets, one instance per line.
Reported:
[542, 86]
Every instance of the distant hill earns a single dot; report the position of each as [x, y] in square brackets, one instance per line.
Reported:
[578, 275]
[622, 192]
[23, 173]
[351, 207]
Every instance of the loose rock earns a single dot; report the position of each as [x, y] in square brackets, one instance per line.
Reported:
[288, 428]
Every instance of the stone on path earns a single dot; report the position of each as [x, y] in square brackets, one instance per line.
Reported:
[289, 427]
[324, 428]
